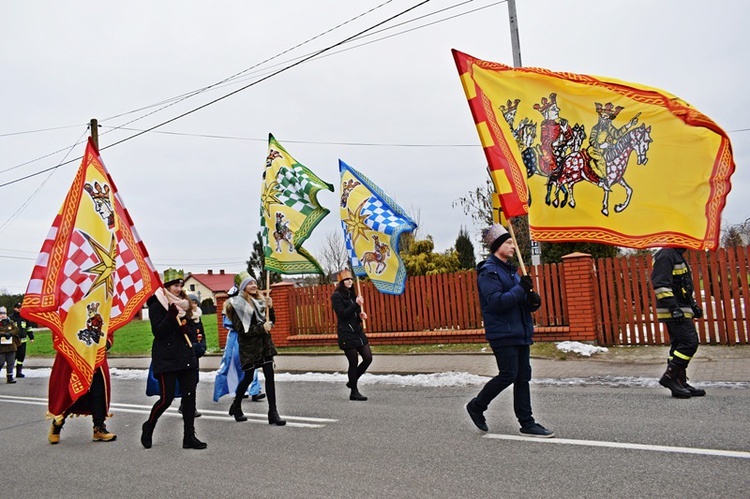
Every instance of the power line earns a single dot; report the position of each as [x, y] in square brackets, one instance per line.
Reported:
[292, 141]
[275, 73]
[28, 200]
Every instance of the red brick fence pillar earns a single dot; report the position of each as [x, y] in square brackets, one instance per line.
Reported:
[578, 271]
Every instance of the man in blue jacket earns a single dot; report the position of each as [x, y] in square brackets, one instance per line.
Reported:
[507, 301]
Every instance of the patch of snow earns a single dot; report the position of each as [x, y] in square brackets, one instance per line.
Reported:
[580, 348]
[436, 380]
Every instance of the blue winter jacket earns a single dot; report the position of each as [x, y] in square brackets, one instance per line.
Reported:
[505, 308]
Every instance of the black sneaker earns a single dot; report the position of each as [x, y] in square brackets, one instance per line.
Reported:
[537, 430]
[259, 397]
[476, 416]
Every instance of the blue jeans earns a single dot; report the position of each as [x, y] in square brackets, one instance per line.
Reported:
[515, 368]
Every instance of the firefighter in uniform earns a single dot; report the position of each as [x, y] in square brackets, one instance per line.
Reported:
[25, 334]
[676, 307]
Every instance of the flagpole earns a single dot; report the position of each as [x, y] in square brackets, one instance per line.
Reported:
[359, 293]
[518, 252]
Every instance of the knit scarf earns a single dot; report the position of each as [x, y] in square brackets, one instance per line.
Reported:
[248, 306]
[166, 298]
[197, 313]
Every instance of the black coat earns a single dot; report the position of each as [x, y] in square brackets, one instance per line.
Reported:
[349, 328]
[256, 345]
[170, 351]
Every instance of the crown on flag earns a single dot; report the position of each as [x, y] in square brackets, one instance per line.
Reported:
[543, 106]
[96, 191]
[510, 107]
[608, 110]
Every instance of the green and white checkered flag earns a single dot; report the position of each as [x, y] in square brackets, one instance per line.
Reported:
[289, 211]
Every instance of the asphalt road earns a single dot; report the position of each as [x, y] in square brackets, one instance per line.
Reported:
[408, 442]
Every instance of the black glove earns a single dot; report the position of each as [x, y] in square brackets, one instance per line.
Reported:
[677, 315]
[172, 311]
[526, 283]
[184, 329]
[697, 311]
[533, 299]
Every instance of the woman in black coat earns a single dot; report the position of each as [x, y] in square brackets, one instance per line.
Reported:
[172, 356]
[351, 337]
[252, 317]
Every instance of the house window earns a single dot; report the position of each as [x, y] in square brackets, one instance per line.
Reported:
[192, 287]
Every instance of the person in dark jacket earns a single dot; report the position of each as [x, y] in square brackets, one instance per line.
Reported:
[172, 357]
[676, 307]
[25, 334]
[252, 316]
[199, 346]
[351, 337]
[9, 342]
[507, 302]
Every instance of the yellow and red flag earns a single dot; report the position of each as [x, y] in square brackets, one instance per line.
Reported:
[597, 159]
[91, 277]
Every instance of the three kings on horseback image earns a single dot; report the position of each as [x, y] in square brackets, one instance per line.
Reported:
[560, 155]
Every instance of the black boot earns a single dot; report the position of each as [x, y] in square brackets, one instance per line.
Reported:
[147, 432]
[274, 418]
[694, 392]
[10, 379]
[355, 395]
[197, 414]
[19, 371]
[670, 379]
[236, 410]
[190, 441]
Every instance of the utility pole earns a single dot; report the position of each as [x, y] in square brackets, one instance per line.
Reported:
[515, 42]
[94, 125]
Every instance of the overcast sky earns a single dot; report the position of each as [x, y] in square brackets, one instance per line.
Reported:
[391, 104]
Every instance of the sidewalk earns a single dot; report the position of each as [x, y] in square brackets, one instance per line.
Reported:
[712, 363]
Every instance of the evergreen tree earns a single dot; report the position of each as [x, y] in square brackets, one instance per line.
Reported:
[257, 263]
[421, 260]
[465, 250]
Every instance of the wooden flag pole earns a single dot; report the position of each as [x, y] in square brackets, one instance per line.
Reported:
[518, 250]
[359, 293]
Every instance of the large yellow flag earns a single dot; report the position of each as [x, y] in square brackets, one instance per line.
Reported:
[92, 275]
[289, 211]
[372, 224]
[598, 159]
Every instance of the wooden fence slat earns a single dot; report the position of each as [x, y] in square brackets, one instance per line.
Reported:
[709, 315]
[737, 328]
[743, 261]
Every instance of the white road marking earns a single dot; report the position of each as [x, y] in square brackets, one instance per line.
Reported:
[207, 414]
[623, 445]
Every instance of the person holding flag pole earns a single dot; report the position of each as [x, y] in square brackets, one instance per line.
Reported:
[347, 304]
[172, 357]
[93, 274]
[507, 301]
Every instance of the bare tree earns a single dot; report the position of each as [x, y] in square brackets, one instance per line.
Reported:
[334, 255]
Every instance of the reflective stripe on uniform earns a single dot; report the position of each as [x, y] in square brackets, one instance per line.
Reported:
[679, 269]
[682, 355]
